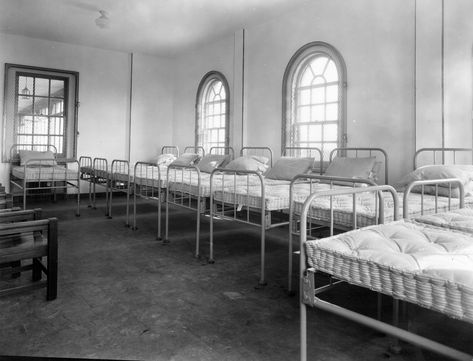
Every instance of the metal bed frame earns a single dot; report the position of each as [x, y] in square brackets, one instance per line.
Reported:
[309, 292]
[186, 197]
[149, 183]
[95, 171]
[43, 183]
[243, 214]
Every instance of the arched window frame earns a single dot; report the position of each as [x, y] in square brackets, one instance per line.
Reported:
[296, 64]
[202, 92]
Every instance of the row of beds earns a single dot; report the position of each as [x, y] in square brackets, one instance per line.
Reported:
[424, 259]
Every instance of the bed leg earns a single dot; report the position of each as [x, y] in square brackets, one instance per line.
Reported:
[262, 281]
[127, 224]
[109, 202]
[90, 193]
[158, 236]
[395, 347]
[197, 228]
[303, 332]
[166, 219]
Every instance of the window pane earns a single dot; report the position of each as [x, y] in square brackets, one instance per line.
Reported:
[307, 77]
[41, 106]
[331, 73]
[57, 88]
[40, 125]
[315, 133]
[25, 86]
[318, 95]
[56, 126]
[303, 114]
[40, 139]
[56, 107]
[41, 87]
[330, 132]
[24, 139]
[25, 105]
[318, 113]
[318, 65]
[25, 125]
[304, 97]
[332, 93]
[57, 142]
[332, 111]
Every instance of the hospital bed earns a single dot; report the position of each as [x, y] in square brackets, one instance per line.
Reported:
[35, 169]
[423, 265]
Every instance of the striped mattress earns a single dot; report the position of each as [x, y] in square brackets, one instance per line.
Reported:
[367, 211]
[425, 265]
[458, 219]
[44, 173]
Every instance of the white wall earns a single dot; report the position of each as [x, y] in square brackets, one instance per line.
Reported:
[376, 41]
[104, 94]
[190, 68]
[152, 106]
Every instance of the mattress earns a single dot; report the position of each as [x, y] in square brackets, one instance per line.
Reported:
[276, 194]
[458, 219]
[367, 211]
[425, 265]
[188, 183]
[44, 173]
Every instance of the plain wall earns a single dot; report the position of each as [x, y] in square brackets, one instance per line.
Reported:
[376, 40]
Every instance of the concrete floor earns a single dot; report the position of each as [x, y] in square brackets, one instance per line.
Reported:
[124, 295]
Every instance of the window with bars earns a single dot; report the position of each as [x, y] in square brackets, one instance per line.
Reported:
[40, 112]
[314, 99]
[40, 109]
[212, 112]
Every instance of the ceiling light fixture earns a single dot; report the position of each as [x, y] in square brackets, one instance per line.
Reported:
[103, 21]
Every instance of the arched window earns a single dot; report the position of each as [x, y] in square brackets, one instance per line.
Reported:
[314, 99]
[212, 116]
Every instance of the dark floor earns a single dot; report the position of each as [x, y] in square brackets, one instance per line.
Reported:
[124, 295]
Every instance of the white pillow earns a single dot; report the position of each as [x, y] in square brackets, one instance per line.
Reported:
[351, 167]
[211, 161]
[34, 157]
[165, 159]
[247, 163]
[438, 171]
[287, 168]
[186, 159]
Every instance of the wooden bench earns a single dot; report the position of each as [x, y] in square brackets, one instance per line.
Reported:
[30, 240]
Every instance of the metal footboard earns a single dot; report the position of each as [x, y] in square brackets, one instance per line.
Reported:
[148, 184]
[228, 181]
[120, 181]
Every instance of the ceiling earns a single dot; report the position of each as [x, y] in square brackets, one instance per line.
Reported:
[156, 27]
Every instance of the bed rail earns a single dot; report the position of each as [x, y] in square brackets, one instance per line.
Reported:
[197, 149]
[427, 156]
[259, 152]
[100, 177]
[170, 149]
[451, 185]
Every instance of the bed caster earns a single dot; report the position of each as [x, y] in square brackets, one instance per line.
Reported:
[211, 261]
[166, 241]
[89, 206]
[77, 215]
[109, 217]
[160, 239]
[291, 293]
[94, 207]
[260, 285]
[134, 228]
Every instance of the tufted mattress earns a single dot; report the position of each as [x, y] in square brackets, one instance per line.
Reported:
[44, 173]
[458, 219]
[425, 265]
